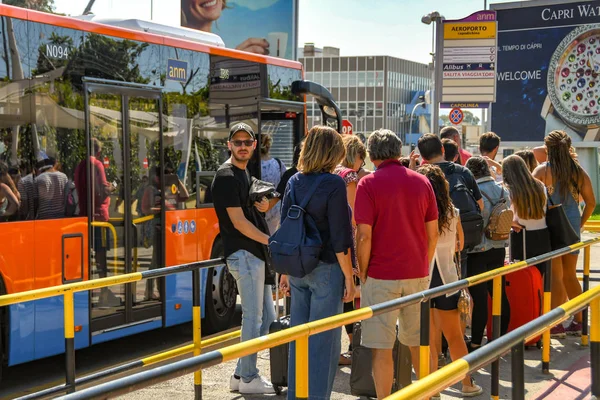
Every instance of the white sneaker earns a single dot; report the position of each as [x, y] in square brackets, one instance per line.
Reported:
[234, 384]
[258, 385]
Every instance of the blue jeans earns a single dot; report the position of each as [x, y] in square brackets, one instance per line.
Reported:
[316, 296]
[258, 311]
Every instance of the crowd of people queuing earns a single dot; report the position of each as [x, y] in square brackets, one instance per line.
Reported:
[393, 232]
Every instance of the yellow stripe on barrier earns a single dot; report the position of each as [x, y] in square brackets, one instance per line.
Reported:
[497, 296]
[69, 311]
[44, 293]
[329, 323]
[434, 383]
[168, 354]
[580, 301]
[180, 351]
[486, 276]
[595, 326]
[264, 342]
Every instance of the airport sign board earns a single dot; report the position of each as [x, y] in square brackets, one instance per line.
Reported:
[469, 59]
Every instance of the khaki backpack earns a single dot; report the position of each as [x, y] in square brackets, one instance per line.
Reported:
[501, 218]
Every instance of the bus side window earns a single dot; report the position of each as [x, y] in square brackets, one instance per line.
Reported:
[16, 146]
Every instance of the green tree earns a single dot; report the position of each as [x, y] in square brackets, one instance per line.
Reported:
[39, 5]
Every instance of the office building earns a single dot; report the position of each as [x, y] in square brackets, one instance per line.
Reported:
[372, 91]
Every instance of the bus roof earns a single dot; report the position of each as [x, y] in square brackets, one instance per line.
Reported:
[143, 36]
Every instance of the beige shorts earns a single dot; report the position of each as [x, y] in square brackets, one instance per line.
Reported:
[379, 332]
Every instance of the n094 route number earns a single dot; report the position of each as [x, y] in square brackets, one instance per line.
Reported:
[57, 51]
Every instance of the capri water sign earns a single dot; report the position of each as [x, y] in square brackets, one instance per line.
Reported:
[469, 61]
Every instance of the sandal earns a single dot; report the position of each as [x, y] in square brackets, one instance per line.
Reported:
[471, 390]
[345, 359]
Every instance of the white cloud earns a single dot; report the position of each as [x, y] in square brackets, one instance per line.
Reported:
[254, 4]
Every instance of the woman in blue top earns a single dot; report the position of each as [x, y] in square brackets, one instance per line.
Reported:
[566, 182]
[321, 293]
[488, 255]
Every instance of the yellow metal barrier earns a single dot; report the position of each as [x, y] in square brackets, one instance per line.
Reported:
[68, 290]
[457, 370]
[592, 226]
[428, 385]
[114, 238]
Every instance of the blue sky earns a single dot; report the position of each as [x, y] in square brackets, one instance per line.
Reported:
[357, 27]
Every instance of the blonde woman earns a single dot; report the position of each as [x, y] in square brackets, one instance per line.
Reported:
[528, 200]
[321, 293]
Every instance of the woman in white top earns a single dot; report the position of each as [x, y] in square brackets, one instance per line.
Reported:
[445, 317]
[528, 200]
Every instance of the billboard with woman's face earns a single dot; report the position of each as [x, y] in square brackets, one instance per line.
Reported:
[258, 26]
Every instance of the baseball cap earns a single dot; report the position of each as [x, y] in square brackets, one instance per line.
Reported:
[241, 127]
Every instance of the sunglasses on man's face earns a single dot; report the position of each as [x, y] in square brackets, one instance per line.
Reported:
[238, 143]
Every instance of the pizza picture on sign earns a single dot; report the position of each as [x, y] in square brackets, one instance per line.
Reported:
[574, 77]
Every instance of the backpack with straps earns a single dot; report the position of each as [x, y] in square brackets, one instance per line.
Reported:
[470, 214]
[501, 217]
[296, 246]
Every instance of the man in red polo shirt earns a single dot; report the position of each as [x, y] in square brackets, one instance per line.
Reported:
[450, 132]
[396, 213]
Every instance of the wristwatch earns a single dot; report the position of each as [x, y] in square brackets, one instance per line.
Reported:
[573, 85]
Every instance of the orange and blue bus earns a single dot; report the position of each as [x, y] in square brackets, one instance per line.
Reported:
[110, 134]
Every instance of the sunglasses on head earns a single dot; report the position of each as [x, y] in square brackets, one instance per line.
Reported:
[238, 143]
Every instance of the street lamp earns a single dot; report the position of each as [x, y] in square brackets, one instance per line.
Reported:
[437, 18]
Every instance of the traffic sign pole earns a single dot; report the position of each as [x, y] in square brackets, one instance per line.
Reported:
[439, 73]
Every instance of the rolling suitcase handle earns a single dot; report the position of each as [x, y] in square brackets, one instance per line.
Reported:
[285, 312]
[510, 255]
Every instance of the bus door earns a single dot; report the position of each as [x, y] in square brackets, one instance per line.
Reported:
[283, 121]
[125, 203]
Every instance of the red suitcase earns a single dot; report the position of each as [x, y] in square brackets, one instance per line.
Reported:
[525, 291]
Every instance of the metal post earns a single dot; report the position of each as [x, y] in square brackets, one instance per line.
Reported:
[302, 367]
[496, 323]
[518, 371]
[424, 351]
[586, 287]
[197, 330]
[546, 308]
[595, 345]
[438, 68]
[69, 312]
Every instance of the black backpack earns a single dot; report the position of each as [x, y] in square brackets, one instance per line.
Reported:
[470, 214]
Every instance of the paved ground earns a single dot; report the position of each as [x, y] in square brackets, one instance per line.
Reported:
[569, 378]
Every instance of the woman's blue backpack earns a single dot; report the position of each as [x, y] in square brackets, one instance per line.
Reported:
[296, 246]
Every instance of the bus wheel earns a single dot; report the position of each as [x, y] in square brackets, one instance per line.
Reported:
[221, 295]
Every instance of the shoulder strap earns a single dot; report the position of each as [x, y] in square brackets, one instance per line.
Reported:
[308, 195]
[281, 171]
[548, 196]
[490, 200]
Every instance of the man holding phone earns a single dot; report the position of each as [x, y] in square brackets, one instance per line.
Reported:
[242, 241]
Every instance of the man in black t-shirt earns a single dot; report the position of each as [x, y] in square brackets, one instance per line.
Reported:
[243, 243]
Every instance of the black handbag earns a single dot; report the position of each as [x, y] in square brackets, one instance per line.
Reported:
[562, 234]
